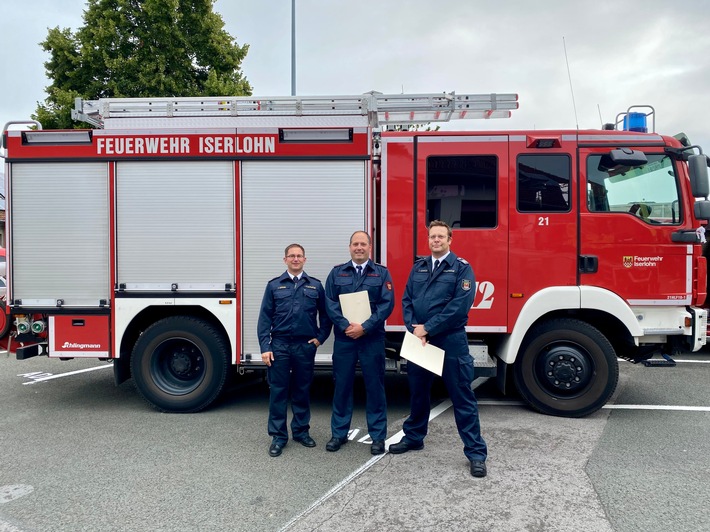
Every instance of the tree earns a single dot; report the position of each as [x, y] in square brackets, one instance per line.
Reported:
[140, 48]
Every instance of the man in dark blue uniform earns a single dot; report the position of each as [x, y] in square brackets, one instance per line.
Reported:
[292, 324]
[364, 342]
[438, 296]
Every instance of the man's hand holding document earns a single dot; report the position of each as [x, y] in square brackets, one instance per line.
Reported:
[427, 356]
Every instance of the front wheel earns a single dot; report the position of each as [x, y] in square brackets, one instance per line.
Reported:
[566, 367]
[180, 364]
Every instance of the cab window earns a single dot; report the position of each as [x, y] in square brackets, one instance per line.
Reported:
[462, 190]
[544, 183]
[648, 192]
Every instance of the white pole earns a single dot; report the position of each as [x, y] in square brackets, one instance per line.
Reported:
[293, 47]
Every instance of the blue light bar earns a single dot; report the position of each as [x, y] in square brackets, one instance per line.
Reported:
[635, 122]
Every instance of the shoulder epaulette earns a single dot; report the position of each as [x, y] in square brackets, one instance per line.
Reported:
[463, 261]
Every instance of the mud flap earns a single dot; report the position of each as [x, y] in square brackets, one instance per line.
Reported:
[121, 369]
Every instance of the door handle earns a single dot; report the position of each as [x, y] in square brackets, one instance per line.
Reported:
[588, 264]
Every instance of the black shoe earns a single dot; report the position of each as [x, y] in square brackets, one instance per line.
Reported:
[478, 468]
[378, 447]
[275, 449]
[335, 443]
[306, 441]
[404, 446]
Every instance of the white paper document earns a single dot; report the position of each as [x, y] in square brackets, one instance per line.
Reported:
[427, 356]
[356, 306]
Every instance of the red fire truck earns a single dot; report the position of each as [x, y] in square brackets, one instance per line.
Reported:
[149, 240]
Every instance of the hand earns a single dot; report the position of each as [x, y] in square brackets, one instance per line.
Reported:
[354, 331]
[420, 332]
[314, 341]
[267, 357]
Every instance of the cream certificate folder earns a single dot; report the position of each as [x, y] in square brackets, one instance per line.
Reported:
[356, 306]
[427, 356]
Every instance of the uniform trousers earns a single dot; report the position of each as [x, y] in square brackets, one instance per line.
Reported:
[458, 376]
[291, 373]
[371, 355]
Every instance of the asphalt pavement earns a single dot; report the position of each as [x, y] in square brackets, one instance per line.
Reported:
[82, 454]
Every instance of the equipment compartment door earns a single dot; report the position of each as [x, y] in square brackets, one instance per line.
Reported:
[175, 225]
[462, 181]
[317, 204]
[59, 234]
[79, 336]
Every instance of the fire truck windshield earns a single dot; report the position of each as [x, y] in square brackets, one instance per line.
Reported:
[649, 192]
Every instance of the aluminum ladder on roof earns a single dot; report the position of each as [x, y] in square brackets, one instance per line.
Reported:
[382, 109]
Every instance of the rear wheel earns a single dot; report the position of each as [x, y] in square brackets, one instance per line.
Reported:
[566, 368]
[5, 321]
[180, 364]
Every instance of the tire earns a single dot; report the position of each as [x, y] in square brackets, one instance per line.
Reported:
[180, 364]
[566, 367]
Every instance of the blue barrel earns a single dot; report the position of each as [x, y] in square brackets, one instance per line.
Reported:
[635, 122]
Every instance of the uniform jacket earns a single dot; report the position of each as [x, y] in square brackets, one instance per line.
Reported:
[439, 301]
[376, 279]
[293, 311]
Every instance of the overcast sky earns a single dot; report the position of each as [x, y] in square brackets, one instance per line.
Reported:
[620, 52]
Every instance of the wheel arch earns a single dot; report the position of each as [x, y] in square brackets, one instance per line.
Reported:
[148, 316]
[601, 308]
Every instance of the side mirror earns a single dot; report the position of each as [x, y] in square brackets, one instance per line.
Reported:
[698, 168]
[702, 210]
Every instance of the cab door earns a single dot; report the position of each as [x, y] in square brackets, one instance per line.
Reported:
[627, 226]
[543, 218]
[462, 180]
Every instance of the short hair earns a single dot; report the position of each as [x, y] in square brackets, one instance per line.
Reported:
[439, 223]
[294, 246]
[369, 240]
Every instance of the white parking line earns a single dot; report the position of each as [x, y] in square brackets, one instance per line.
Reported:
[67, 374]
[436, 411]
[12, 492]
[612, 406]
[658, 407]
[439, 409]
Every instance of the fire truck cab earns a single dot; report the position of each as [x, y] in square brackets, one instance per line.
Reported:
[149, 240]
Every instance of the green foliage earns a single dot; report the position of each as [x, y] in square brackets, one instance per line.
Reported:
[140, 48]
